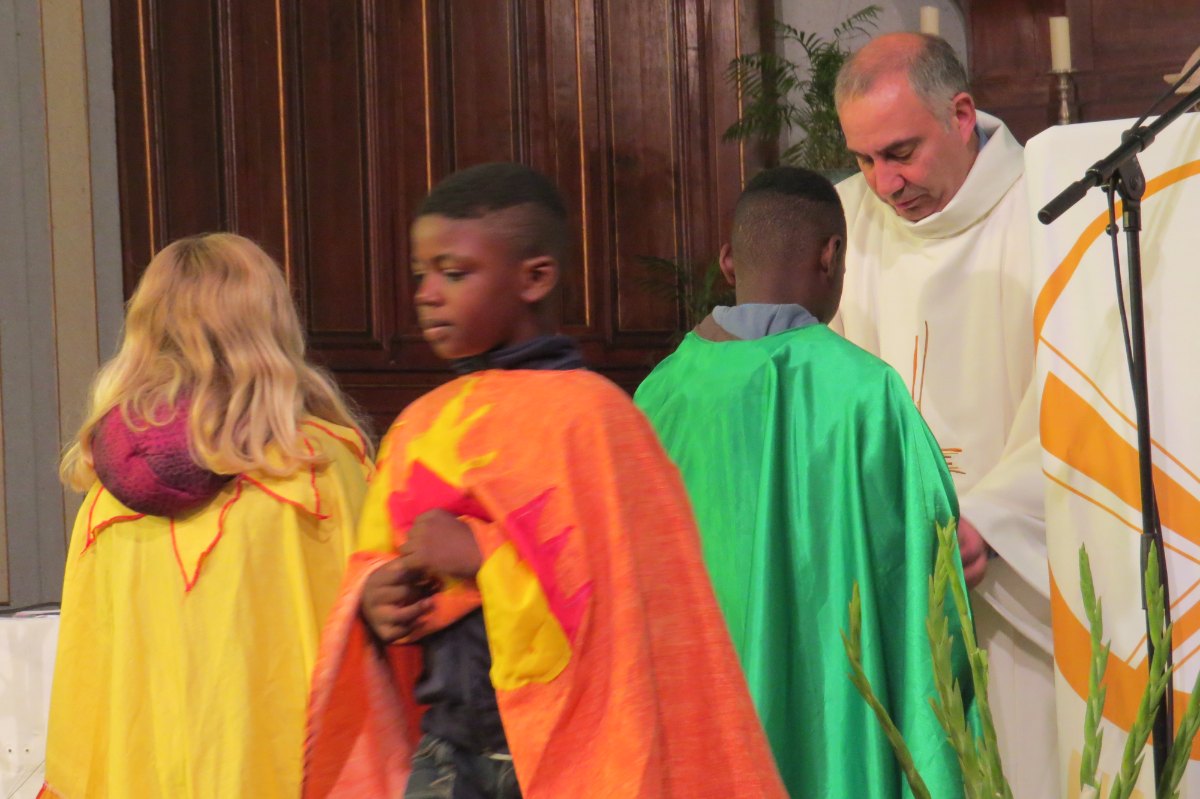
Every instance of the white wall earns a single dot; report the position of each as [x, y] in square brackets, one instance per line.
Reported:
[60, 268]
[896, 15]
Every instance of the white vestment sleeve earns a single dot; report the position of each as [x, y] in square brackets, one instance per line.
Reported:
[1007, 507]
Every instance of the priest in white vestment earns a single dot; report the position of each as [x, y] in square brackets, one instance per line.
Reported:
[939, 284]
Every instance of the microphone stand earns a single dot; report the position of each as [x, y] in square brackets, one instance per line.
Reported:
[1120, 172]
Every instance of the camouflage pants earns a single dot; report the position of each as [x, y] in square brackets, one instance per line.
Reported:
[441, 771]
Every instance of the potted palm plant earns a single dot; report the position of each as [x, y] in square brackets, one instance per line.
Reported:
[782, 96]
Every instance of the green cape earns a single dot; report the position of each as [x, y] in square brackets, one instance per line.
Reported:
[810, 469]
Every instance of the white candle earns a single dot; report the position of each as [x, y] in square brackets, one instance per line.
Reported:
[929, 20]
[1060, 44]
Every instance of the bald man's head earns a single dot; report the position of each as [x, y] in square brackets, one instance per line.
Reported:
[928, 62]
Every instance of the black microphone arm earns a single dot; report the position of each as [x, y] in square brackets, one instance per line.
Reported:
[1133, 141]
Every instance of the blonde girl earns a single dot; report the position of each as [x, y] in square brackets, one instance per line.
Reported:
[224, 475]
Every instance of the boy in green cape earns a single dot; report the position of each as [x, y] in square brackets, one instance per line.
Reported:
[810, 470]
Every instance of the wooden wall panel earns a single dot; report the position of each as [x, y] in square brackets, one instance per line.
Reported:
[1119, 50]
[132, 112]
[482, 50]
[316, 126]
[332, 117]
[641, 92]
[1130, 48]
[185, 116]
[252, 130]
[564, 116]
[406, 129]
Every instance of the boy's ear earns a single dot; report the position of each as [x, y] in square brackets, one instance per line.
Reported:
[539, 276]
[725, 261]
[832, 254]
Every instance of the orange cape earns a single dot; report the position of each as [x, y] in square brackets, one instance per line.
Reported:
[613, 670]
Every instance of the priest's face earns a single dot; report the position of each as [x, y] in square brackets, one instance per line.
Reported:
[913, 159]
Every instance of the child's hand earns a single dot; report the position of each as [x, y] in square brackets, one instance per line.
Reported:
[395, 598]
[439, 543]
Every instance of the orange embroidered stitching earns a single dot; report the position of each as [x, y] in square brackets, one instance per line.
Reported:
[91, 533]
[924, 361]
[312, 471]
[190, 583]
[94, 530]
[360, 446]
[286, 500]
[918, 396]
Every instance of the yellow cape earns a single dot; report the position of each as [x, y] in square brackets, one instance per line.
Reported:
[186, 645]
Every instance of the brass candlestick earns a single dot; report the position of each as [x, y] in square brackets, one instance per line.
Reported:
[1066, 95]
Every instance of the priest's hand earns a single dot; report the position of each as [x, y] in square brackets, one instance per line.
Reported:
[395, 599]
[974, 553]
[441, 544]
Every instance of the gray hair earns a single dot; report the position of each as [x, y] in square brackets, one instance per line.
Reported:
[934, 72]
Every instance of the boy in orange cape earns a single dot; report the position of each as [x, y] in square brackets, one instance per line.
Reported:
[531, 605]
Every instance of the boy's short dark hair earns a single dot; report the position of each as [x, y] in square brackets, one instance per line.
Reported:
[785, 210]
[794, 181]
[538, 228]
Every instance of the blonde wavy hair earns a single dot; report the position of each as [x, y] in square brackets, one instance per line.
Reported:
[212, 322]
